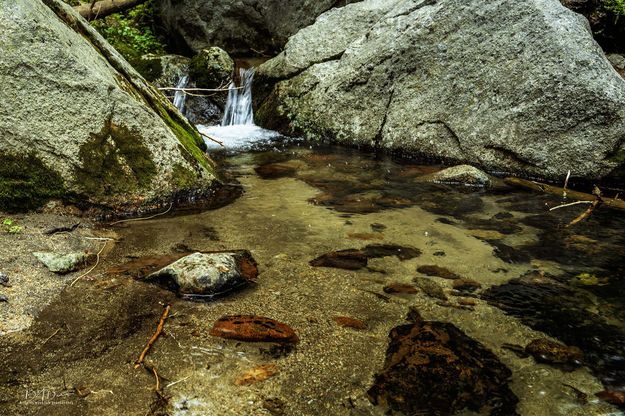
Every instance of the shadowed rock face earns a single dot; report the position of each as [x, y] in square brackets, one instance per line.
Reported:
[247, 27]
[78, 123]
[434, 368]
[515, 86]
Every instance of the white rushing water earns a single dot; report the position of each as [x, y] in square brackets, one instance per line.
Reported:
[180, 97]
[237, 129]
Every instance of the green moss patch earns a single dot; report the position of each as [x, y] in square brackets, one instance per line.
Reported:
[26, 183]
[114, 161]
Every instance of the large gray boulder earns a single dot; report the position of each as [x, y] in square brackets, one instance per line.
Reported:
[239, 27]
[78, 123]
[515, 86]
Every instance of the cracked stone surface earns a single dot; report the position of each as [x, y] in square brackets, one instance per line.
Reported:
[519, 88]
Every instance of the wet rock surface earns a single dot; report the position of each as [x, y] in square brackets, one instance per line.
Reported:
[349, 322]
[207, 275]
[434, 368]
[254, 329]
[459, 175]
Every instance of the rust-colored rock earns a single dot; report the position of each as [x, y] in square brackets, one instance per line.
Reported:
[612, 396]
[554, 353]
[433, 368]
[433, 270]
[253, 328]
[400, 288]
[466, 285]
[348, 322]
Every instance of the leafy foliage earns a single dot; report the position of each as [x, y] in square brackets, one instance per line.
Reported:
[615, 6]
[131, 32]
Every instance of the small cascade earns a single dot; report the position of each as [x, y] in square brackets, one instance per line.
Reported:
[237, 129]
[239, 105]
[180, 97]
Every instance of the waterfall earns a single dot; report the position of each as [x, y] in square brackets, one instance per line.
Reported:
[237, 129]
[180, 97]
[239, 105]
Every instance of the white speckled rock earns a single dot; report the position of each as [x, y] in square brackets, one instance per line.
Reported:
[78, 121]
[62, 263]
[515, 86]
[207, 274]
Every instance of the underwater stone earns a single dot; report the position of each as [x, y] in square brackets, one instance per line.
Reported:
[461, 174]
[4, 279]
[62, 263]
[554, 353]
[435, 368]
[207, 274]
[254, 329]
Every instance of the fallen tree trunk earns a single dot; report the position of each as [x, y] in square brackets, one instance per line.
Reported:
[103, 8]
[555, 190]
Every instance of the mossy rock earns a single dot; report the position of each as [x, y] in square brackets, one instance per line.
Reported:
[114, 161]
[26, 182]
[211, 68]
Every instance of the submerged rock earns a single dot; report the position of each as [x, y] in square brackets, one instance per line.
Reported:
[349, 322]
[207, 274]
[62, 263]
[354, 259]
[554, 353]
[4, 279]
[254, 329]
[426, 78]
[434, 368]
[565, 314]
[466, 285]
[430, 288]
[93, 130]
[461, 175]
[612, 396]
[400, 288]
[438, 271]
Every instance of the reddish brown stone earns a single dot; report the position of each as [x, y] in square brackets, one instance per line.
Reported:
[347, 322]
[253, 328]
[400, 288]
[612, 396]
[466, 302]
[466, 285]
[433, 270]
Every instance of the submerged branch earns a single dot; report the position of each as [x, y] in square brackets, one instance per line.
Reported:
[574, 195]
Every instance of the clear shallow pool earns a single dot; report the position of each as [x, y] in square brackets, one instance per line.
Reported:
[536, 278]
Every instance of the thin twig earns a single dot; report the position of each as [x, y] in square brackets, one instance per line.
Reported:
[144, 218]
[186, 90]
[152, 340]
[158, 384]
[50, 337]
[566, 183]
[570, 205]
[94, 266]
[213, 139]
[586, 213]
[176, 382]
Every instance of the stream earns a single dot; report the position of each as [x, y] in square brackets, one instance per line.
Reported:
[461, 277]
[535, 278]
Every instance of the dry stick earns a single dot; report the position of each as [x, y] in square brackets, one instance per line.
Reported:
[554, 190]
[50, 337]
[158, 386]
[586, 213]
[186, 90]
[570, 205]
[213, 139]
[94, 266]
[566, 182]
[152, 340]
[144, 218]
